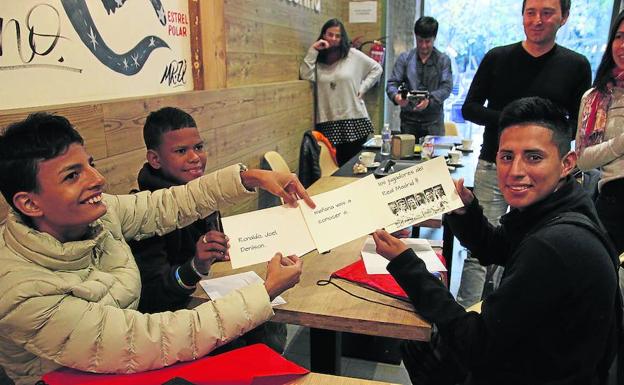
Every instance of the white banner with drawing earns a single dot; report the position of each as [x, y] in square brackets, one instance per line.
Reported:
[64, 51]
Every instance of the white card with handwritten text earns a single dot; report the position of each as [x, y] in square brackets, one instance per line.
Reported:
[394, 202]
[256, 236]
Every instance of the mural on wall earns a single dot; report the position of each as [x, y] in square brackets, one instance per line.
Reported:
[128, 63]
[61, 51]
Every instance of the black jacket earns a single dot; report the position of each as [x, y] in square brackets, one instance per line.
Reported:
[158, 257]
[309, 156]
[552, 319]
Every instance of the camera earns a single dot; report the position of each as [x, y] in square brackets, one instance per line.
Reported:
[415, 96]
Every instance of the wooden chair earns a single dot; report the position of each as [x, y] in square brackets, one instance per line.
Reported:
[326, 162]
[450, 129]
[276, 162]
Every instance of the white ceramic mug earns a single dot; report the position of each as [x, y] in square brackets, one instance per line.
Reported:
[454, 156]
[466, 144]
[367, 158]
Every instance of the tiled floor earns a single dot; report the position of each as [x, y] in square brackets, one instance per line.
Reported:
[298, 345]
[298, 350]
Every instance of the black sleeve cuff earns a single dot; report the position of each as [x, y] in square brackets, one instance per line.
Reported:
[187, 275]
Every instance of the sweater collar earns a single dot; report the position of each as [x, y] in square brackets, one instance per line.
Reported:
[45, 250]
[152, 179]
[570, 197]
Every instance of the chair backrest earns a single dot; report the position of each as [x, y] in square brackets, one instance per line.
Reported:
[450, 129]
[326, 162]
[276, 162]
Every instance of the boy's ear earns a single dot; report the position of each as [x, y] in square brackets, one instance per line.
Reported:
[153, 159]
[568, 163]
[26, 203]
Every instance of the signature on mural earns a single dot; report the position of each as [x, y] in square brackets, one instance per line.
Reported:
[175, 73]
[128, 63]
[37, 44]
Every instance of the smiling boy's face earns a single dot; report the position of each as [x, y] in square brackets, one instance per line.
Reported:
[181, 156]
[68, 197]
[528, 164]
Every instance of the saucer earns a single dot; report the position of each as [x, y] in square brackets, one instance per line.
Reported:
[458, 164]
[462, 149]
[373, 165]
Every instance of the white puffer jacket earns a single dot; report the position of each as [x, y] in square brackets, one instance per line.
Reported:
[73, 304]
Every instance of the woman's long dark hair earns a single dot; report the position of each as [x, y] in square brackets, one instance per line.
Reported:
[604, 74]
[345, 43]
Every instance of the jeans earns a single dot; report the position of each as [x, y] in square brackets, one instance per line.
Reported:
[494, 206]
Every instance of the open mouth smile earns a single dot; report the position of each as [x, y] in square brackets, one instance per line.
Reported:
[519, 188]
[93, 200]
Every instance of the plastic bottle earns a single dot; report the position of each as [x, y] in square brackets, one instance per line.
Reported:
[385, 139]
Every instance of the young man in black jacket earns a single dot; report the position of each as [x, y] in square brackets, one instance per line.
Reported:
[171, 265]
[554, 319]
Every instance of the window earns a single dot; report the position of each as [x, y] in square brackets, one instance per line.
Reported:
[469, 28]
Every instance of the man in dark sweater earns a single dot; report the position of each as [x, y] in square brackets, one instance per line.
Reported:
[173, 264]
[535, 66]
[554, 318]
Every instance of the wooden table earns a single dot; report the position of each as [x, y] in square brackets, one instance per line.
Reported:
[324, 379]
[327, 309]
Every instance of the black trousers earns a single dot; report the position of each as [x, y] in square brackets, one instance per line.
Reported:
[346, 151]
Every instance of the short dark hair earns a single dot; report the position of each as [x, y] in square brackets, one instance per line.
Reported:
[541, 112]
[162, 121]
[564, 4]
[604, 74]
[39, 137]
[426, 27]
[345, 43]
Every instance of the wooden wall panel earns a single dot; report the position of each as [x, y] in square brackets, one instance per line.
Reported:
[86, 119]
[267, 39]
[401, 19]
[238, 125]
[368, 31]
[258, 68]
[213, 50]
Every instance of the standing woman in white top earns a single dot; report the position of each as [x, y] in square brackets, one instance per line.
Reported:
[600, 134]
[342, 75]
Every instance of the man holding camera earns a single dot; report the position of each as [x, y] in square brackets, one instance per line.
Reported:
[424, 75]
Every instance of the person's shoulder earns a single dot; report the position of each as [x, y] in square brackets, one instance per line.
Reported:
[357, 56]
[499, 53]
[443, 57]
[23, 279]
[503, 49]
[571, 240]
[586, 94]
[357, 53]
[571, 56]
[405, 55]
